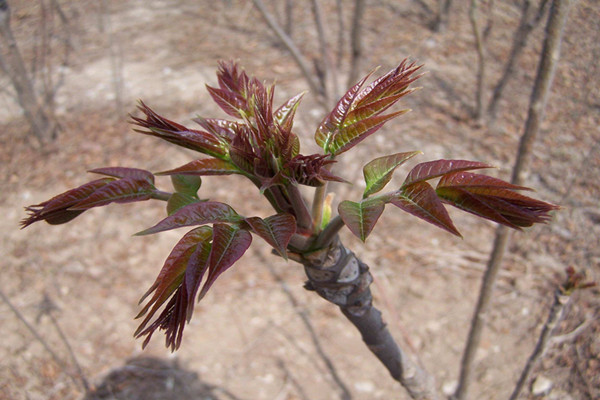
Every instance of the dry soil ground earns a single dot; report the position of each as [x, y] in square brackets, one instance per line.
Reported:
[259, 334]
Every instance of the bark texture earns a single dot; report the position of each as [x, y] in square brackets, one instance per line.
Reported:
[337, 275]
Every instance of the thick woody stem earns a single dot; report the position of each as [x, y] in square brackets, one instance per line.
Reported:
[338, 276]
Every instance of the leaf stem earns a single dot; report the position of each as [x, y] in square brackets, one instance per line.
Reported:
[317, 205]
[328, 234]
[160, 195]
[303, 217]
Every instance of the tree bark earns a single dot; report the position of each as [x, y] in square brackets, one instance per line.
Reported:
[546, 69]
[41, 122]
[338, 276]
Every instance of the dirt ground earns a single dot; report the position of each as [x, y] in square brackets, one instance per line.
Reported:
[259, 334]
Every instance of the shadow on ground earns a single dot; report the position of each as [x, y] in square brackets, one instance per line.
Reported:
[151, 378]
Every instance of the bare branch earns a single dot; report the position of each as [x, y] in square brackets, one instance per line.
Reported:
[291, 46]
[356, 42]
[474, 18]
[526, 26]
[547, 66]
[555, 315]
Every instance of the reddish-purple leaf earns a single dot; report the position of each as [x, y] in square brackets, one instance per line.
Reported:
[333, 121]
[379, 171]
[284, 115]
[394, 82]
[56, 210]
[220, 127]
[361, 217]
[433, 169]
[377, 107]
[172, 273]
[158, 126]
[228, 245]
[276, 230]
[351, 135]
[465, 201]
[421, 200]
[195, 214]
[470, 180]
[208, 166]
[493, 199]
[197, 266]
[122, 172]
[229, 102]
[126, 190]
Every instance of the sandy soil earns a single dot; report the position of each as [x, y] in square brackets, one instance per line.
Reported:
[259, 334]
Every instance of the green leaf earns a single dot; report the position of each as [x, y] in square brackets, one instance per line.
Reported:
[361, 217]
[207, 166]
[179, 200]
[420, 200]
[433, 169]
[186, 184]
[379, 171]
[124, 190]
[277, 230]
[228, 245]
[195, 214]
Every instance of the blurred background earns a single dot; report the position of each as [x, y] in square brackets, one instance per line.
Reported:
[72, 72]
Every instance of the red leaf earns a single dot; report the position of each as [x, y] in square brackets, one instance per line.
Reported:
[284, 115]
[420, 200]
[433, 169]
[394, 82]
[361, 217]
[334, 120]
[493, 199]
[196, 268]
[276, 230]
[472, 181]
[195, 214]
[158, 126]
[465, 201]
[208, 166]
[55, 211]
[348, 137]
[228, 245]
[172, 273]
[126, 190]
[229, 102]
[122, 172]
